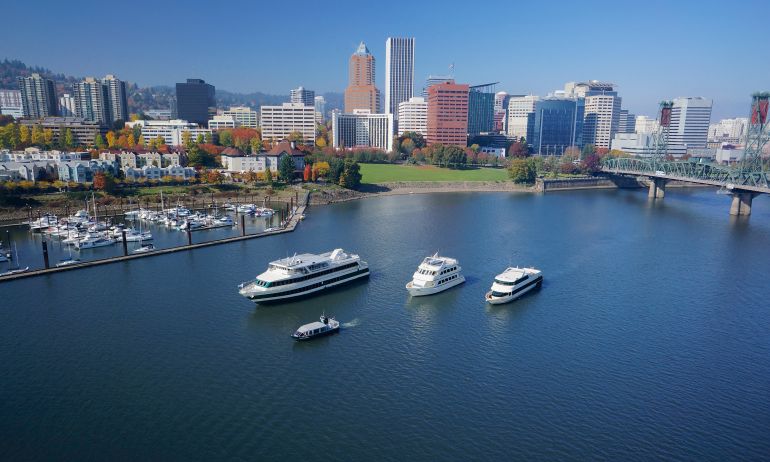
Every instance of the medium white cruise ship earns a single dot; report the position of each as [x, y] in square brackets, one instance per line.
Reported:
[513, 283]
[304, 274]
[435, 274]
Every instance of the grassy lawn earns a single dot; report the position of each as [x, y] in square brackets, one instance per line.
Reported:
[386, 173]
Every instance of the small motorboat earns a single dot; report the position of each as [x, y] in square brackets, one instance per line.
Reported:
[144, 249]
[68, 262]
[320, 328]
[11, 272]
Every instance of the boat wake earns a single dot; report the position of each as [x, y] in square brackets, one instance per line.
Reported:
[352, 323]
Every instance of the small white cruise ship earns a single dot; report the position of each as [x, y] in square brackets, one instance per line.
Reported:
[304, 274]
[435, 274]
[513, 283]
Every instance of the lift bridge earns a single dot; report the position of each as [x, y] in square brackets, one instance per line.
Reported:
[744, 180]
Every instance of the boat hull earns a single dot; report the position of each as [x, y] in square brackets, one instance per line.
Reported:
[423, 291]
[517, 293]
[331, 331]
[266, 298]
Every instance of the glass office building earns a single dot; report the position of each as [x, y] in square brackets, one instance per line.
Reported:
[557, 124]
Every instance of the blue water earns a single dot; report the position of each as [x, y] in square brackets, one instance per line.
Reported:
[650, 340]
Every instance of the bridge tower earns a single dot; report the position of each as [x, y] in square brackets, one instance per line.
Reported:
[660, 138]
[758, 133]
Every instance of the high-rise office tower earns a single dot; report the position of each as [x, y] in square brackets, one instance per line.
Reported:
[399, 73]
[303, 97]
[626, 122]
[117, 98]
[690, 118]
[413, 116]
[432, 80]
[195, 101]
[91, 101]
[481, 109]
[362, 129]
[361, 92]
[448, 113]
[38, 96]
[602, 113]
[557, 125]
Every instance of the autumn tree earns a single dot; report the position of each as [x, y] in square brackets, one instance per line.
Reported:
[38, 137]
[187, 139]
[351, 175]
[256, 145]
[24, 135]
[215, 176]
[225, 138]
[111, 139]
[268, 176]
[296, 136]
[307, 173]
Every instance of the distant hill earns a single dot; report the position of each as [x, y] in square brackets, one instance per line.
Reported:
[141, 99]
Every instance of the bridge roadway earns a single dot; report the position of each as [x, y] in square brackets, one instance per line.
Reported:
[743, 186]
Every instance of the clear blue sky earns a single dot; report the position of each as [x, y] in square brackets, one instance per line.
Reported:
[653, 50]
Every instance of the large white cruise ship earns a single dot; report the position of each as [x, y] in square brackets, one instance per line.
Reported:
[304, 274]
[435, 274]
[513, 283]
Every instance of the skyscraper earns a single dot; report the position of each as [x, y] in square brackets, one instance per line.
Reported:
[303, 97]
[67, 106]
[602, 113]
[432, 80]
[117, 100]
[361, 92]
[91, 101]
[627, 122]
[481, 108]
[448, 113]
[38, 96]
[690, 118]
[399, 73]
[195, 101]
[362, 129]
[413, 116]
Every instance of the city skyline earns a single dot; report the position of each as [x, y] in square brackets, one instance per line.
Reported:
[551, 41]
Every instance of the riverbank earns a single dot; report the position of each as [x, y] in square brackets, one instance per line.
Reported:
[330, 195]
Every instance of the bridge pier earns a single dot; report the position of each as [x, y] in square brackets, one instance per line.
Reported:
[657, 188]
[741, 204]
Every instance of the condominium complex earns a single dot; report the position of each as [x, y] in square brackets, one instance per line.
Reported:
[38, 96]
[116, 98]
[399, 72]
[91, 101]
[690, 119]
[278, 122]
[448, 113]
[302, 96]
[244, 116]
[195, 101]
[521, 111]
[413, 116]
[320, 109]
[362, 129]
[361, 92]
[10, 103]
[170, 130]
[67, 105]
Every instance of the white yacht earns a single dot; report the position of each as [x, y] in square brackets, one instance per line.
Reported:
[304, 274]
[43, 223]
[92, 241]
[513, 283]
[435, 274]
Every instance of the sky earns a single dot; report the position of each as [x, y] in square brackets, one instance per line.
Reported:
[653, 50]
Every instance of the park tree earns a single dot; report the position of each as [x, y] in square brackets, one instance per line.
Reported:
[130, 141]
[307, 173]
[408, 146]
[518, 149]
[268, 176]
[455, 157]
[321, 142]
[590, 164]
[286, 168]
[351, 175]
[187, 139]
[99, 141]
[104, 182]
[588, 150]
[521, 171]
[200, 139]
[336, 167]
[226, 138]
[215, 176]
[111, 139]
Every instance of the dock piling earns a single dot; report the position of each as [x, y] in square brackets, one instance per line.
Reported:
[45, 255]
[125, 244]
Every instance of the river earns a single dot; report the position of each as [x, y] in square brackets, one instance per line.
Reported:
[649, 340]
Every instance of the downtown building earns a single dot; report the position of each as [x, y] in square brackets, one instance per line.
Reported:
[278, 122]
[361, 92]
[413, 116]
[557, 125]
[689, 127]
[728, 131]
[481, 109]
[448, 113]
[627, 122]
[319, 102]
[647, 125]
[243, 116]
[521, 110]
[399, 73]
[195, 101]
[170, 130]
[38, 97]
[91, 101]
[117, 98]
[362, 129]
[501, 106]
[602, 110]
[67, 105]
[302, 96]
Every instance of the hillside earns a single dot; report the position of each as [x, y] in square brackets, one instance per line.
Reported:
[142, 98]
